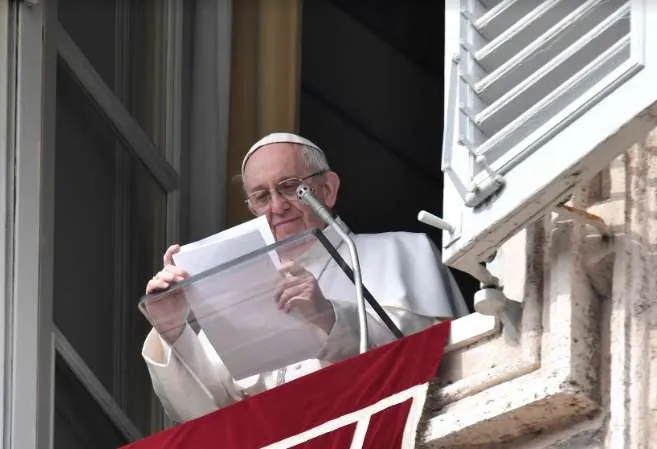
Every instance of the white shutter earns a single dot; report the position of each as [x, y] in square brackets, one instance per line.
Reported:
[539, 96]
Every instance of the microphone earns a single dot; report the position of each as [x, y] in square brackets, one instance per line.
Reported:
[305, 194]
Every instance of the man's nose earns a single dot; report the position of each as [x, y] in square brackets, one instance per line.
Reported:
[278, 203]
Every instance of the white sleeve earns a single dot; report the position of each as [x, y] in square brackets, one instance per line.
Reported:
[342, 341]
[189, 378]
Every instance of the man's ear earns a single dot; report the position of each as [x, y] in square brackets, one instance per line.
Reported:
[330, 188]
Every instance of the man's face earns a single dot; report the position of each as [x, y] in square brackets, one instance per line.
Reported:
[277, 162]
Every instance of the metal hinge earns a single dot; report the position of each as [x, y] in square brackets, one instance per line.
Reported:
[478, 192]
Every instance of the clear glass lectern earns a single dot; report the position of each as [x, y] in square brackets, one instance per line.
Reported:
[236, 306]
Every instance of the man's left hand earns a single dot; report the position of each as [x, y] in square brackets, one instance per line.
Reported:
[299, 291]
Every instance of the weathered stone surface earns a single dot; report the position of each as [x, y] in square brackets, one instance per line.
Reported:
[633, 311]
[585, 372]
[550, 378]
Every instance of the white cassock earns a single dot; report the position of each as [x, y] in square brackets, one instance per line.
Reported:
[403, 272]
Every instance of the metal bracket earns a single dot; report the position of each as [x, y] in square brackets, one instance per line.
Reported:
[492, 301]
[479, 192]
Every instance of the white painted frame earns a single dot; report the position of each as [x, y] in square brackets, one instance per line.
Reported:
[28, 349]
[541, 180]
[6, 202]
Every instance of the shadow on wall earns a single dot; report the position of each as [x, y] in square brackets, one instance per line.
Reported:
[374, 103]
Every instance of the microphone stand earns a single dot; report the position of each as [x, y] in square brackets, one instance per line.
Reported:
[304, 193]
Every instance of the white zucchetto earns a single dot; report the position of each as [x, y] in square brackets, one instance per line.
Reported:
[277, 138]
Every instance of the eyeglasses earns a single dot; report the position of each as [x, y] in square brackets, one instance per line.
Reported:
[287, 188]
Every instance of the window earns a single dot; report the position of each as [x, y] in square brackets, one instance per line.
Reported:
[115, 167]
[89, 161]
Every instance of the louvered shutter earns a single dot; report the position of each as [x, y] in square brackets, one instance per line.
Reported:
[539, 96]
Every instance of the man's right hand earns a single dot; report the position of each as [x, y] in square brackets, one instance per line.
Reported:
[168, 314]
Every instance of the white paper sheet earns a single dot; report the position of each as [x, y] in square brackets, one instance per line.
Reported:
[224, 246]
[235, 307]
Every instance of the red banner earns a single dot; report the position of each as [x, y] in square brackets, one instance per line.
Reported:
[372, 401]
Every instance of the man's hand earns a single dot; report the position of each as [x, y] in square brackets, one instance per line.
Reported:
[300, 291]
[168, 314]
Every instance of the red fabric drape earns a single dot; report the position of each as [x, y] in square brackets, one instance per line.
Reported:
[315, 399]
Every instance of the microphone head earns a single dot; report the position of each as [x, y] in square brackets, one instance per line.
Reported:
[303, 191]
[306, 195]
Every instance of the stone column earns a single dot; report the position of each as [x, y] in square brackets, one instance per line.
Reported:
[632, 421]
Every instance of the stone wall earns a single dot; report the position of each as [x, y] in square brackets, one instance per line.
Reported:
[584, 372]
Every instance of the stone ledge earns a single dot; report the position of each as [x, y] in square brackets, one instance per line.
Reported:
[537, 402]
[471, 329]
